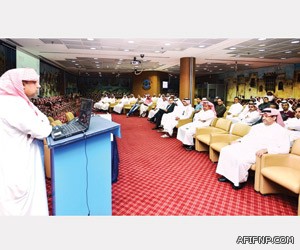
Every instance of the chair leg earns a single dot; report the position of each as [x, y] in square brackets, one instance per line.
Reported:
[213, 155]
[200, 146]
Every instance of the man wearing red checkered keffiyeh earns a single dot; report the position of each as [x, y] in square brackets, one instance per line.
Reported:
[22, 130]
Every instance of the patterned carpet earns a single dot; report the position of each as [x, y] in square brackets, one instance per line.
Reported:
[157, 176]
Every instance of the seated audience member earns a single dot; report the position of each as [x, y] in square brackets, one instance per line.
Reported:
[265, 104]
[162, 103]
[118, 108]
[215, 101]
[135, 106]
[103, 104]
[145, 105]
[250, 117]
[158, 116]
[270, 96]
[273, 105]
[220, 108]
[293, 126]
[112, 98]
[186, 133]
[169, 121]
[235, 109]
[270, 137]
[286, 111]
[198, 106]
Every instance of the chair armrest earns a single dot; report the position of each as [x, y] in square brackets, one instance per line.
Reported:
[217, 137]
[268, 160]
[182, 122]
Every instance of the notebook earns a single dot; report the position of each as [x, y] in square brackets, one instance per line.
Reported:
[77, 125]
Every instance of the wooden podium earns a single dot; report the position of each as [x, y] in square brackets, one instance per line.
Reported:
[81, 170]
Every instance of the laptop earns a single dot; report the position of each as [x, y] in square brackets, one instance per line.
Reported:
[77, 125]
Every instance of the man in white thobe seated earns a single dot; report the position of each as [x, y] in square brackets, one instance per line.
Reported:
[161, 103]
[270, 137]
[235, 109]
[186, 133]
[250, 117]
[103, 104]
[170, 120]
[293, 126]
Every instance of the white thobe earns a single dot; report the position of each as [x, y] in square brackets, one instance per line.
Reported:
[248, 118]
[234, 110]
[186, 133]
[236, 159]
[102, 104]
[144, 108]
[293, 127]
[118, 108]
[22, 176]
[169, 122]
[159, 105]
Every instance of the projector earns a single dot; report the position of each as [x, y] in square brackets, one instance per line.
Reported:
[135, 62]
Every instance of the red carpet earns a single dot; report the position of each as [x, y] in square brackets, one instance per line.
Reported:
[157, 176]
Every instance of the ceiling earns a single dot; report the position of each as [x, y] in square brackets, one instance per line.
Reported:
[97, 56]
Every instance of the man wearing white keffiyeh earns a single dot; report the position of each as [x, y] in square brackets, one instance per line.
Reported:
[22, 129]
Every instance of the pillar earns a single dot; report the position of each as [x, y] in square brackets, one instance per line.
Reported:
[187, 78]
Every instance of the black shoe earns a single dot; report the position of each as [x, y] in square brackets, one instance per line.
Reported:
[190, 148]
[240, 186]
[223, 179]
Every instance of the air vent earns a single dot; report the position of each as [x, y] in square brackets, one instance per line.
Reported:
[51, 41]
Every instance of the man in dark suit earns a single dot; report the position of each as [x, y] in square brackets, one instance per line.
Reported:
[157, 117]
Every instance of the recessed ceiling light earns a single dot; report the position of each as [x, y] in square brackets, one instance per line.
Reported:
[126, 50]
[90, 39]
[297, 41]
[92, 48]
[201, 46]
[261, 57]
[167, 44]
[130, 41]
[288, 52]
[232, 48]
[282, 58]
[261, 39]
[261, 50]
[262, 45]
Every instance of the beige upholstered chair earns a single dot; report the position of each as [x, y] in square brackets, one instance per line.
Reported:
[128, 106]
[56, 123]
[69, 116]
[203, 135]
[280, 173]
[182, 122]
[218, 141]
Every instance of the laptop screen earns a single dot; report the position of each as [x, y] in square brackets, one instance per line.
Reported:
[85, 112]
